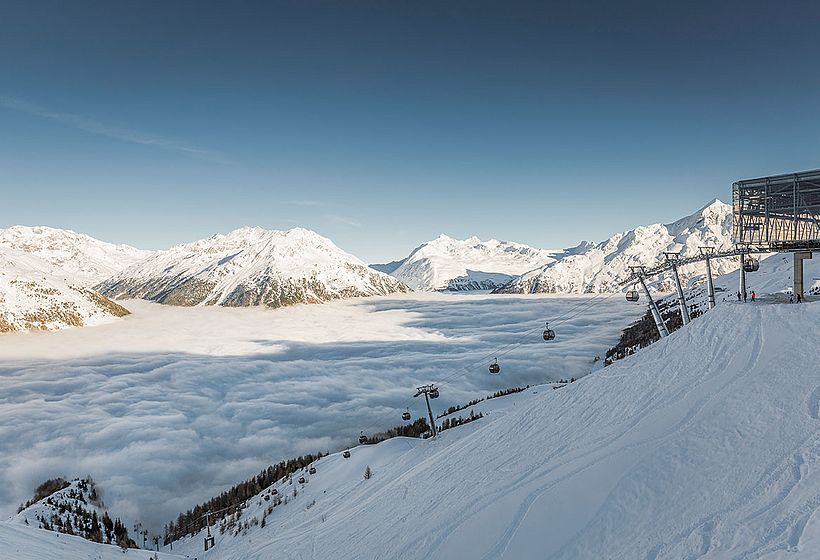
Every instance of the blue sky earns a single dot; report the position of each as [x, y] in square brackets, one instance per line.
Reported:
[383, 124]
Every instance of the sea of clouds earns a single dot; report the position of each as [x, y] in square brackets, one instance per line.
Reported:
[173, 405]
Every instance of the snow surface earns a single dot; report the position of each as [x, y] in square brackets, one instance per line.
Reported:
[18, 542]
[251, 266]
[77, 258]
[704, 445]
[172, 405]
[32, 297]
[602, 267]
[470, 264]
[774, 276]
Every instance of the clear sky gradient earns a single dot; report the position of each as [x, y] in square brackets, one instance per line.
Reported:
[382, 124]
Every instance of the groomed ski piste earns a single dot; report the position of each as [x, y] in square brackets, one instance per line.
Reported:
[704, 445]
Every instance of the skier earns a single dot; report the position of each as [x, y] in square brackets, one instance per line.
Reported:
[744, 296]
[738, 296]
[753, 296]
[799, 297]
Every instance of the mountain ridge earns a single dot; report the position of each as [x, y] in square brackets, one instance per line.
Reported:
[602, 267]
[449, 264]
[80, 258]
[251, 266]
[33, 298]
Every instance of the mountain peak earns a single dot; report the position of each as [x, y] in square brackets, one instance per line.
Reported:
[252, 266]
[470, 264]
[604, 266]
[66, 253]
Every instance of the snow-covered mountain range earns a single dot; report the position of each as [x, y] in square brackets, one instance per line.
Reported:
[470, 264]
[32, 297]
[76, 257]
[602, 267]
[251, 266]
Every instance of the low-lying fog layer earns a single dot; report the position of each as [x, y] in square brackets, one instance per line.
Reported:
[173, 405]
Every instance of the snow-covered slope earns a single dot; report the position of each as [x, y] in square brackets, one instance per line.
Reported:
[33, 298]
[251, 266]
[774, 276]
[76, 257]
[704, 445]
[601, 267]
[68, 521]
[73, 508]
[19, 542]
[452, 264]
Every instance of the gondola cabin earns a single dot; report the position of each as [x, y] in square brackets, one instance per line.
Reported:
[632, 295]
[301, 480]
[346, 454]
[434, 393]
[312, 470]
[362, 438]
[495, 369]
[406, 415]
[549, 334]
[751, 265]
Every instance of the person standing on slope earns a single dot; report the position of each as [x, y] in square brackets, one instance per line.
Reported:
[753, 296]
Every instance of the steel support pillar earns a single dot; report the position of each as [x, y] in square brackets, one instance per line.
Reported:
[742, 278]
[430, 413]
[710, 287]
[656, 314]
[684, 311]
[799, 256]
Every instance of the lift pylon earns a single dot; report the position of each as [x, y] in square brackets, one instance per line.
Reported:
[707, 252]
[209, 539]
[426, 390]
[672, 258]
[742, 287]
[653, 307]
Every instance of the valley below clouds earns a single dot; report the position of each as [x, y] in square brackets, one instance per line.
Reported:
[171, 406]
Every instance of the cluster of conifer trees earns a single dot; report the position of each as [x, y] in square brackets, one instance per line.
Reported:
[72, 515]
[416, 429]
[233, 499]
[453, 422]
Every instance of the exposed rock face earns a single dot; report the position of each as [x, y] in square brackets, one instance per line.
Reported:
[249, 267]
[33, 298]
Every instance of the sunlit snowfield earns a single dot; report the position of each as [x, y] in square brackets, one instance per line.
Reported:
[172, 405]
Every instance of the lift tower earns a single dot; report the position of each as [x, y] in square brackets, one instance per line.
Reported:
[742, 285]
[653, 307]
[707, 252]
[429, 391]
[672, 258]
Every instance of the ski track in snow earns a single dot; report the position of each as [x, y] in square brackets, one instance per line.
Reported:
[814, 403]
[632, 448]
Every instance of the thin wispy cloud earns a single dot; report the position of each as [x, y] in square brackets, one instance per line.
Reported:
[92, 126]
[344, 220]
[312, 203]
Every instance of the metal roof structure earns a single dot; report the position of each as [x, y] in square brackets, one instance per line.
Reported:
[779, 213]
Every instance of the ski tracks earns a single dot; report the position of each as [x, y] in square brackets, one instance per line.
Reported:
[814, 403]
